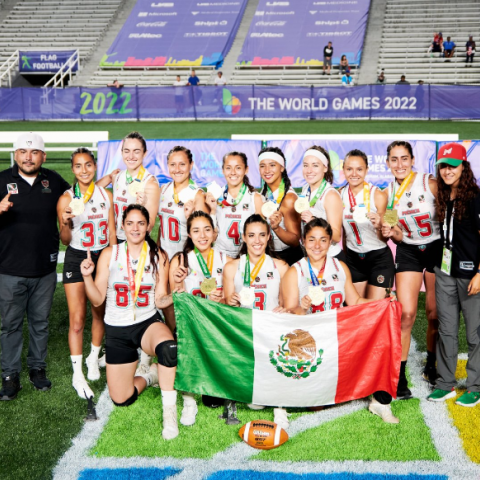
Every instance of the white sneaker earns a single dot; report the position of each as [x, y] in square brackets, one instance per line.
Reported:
[142, 369]
[252, 406]
[102, 363]
[93, 372]
[383, 411]
[280, 417]
[81, 386]
[151, 376]
[170, 426]
[189, 413]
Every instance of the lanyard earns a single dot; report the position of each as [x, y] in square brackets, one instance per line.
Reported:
[396, 196]
[316, 279]
[281, 193]
[319, 193]
[135, 283]
[249, 278]
[206, 267]
[175, 194]
[366, 197]
[139, 177]
[448, 230]
[88, 193]
[237, 200]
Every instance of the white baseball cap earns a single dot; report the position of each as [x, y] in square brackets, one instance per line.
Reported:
[29, 141]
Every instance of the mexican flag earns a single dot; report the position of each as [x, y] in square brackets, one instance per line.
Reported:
[287, 360]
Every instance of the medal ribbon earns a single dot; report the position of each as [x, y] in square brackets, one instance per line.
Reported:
[139, 176]
[239, 198]
[366, 197]
[396, 196]
[175, 194]
[205, 266]
[88, 193]
[250, 277]
[281, 193]
[135, 283]
[316, 279]
[320, 190]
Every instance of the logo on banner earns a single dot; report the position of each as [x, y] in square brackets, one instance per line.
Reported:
[231, 104]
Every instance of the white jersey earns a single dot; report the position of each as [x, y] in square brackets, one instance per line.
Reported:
[196, 276]
[318, 211]
[122, 199]
[361, 237]
[90, 229]
[417, 214]
[266, 284]
[230, 221]
[278, 245]
[333, 283]
[119, 309]
[173, 223]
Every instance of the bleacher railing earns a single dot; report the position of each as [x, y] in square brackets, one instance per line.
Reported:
[8, 67]
[66, 70]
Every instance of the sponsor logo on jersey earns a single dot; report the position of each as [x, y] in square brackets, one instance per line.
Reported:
[422, 248]
[245, 206]
[53, 257]
[324, 282]
[169, 204]
[270, 275]
[380, 279]
[335, 277]
[421, 198]
[147, 269]
[124, 192]
[467, 265]
[257, 279]
[102, 206]
[362, 256]
[408, 194]
[94, 210]
[69, 274]
[219, 270]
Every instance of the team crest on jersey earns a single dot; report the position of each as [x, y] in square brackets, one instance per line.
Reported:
[257, 279]
[297, 356]
[422, 248]
[219, 270]
[362, 256]
[245, 206]
[335, 277]
[94, 210]
[324, 282]
[124, 192]
[380, 279]
[169, 204]
[45, 183]
[270, 275]
[147, 268]
[421, 198]
[102, 206]
[408, 194]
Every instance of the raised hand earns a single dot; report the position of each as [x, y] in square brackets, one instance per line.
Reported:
[6, 204]
[87, 266]
[188, 208]
[180, 273]
[211, 201]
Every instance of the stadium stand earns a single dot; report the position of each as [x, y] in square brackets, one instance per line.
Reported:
[408, 30]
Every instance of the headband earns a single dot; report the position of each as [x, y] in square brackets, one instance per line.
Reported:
[272, 156]
[317, 154]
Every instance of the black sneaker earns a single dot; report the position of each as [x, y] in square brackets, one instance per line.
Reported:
[212, 402]
[430, 375]
[10, 387]
[403, 392]
[38, 377]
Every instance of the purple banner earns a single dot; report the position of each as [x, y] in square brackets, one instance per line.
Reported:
[46, 61]
[295, 33]
[180, 32]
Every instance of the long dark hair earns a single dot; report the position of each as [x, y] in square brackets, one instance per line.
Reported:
[189, 246]
[136, 136]
[317, 222]
[285, 177]
[329, 173]
[154, 249]
[246, 181]
[256, 218]
[469, 190]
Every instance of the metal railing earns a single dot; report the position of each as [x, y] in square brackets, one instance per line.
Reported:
[65, 70]
[7, 67]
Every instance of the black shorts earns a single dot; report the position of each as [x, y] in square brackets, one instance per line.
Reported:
[71, 266]
[290, 255]
[341, 256]
[417, 258]
[375, 267]
[122, 343]
[119, 241]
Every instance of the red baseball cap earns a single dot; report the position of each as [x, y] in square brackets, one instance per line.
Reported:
[452, 154]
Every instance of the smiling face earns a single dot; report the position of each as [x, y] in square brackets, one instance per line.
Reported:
[400, 162]
[451, 175]
[29, 161]
[256, 238]
[270, 171]
[313, 170]
[84, 168]
[135, 226]
[355, 170]
[317, 243]
[179, 167]
[133, 153]
[234, 170]
[201, 233]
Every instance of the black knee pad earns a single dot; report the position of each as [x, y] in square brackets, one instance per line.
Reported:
[167, 353]
[128, 401]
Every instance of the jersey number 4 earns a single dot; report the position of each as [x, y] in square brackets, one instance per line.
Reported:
[233, 233]
[122, 297]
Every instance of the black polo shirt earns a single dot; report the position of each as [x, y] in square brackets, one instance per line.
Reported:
[28, 231]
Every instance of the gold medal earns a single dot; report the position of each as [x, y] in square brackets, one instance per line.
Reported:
[301, 204]
[316, 294]
[360, 214]
[391, 217]
[247, 296]
[135, 187]
[77, 206]
[208, 286]
[268, 209]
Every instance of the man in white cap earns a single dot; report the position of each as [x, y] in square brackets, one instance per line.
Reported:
[28, 259]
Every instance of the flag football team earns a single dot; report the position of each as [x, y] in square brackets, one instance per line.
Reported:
[273, 250]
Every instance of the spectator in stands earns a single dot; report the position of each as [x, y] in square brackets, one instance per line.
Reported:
[403, 81]
[420, 95]
[219, 81]
[470, 47]
[347, 80]
[437, 44]
[344, 65]
[194, 81]
[448, 49]
[115, 84]
[179, 91]
[327, 58]
[381, 80]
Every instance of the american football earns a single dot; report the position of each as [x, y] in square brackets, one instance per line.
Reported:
[263, 434]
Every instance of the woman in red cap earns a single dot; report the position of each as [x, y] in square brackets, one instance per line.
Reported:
[457, 275]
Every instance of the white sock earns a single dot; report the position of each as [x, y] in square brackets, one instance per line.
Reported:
[145, 359]
[188, 399]
[95, 351]
[77, 364]
[169, 397]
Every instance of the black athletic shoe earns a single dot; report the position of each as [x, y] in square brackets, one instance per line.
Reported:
[10, 387]
[38, 377]
[403, 392]
[212, 402]
[430, 375]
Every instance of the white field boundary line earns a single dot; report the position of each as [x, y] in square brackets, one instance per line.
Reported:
[61, 259]
[454, 462]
